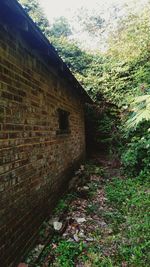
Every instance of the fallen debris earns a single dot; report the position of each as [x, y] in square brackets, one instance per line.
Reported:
[80, 220]
[57, 225]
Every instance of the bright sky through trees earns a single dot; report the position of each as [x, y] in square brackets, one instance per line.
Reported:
[109, 10]
[67, 7]
[63, 7]
[56, 8]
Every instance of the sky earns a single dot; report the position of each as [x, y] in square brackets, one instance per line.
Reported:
[56, 8]
[69, 9]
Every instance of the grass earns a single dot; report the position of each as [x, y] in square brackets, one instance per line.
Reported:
[126, 216]
[129, 220]
[67, 252]
[63, 203]
[130, 201]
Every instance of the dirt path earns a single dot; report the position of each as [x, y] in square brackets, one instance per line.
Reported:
[77, 234]
[101, 222]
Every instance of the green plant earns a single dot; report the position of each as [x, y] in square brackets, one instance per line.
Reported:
[140, 111]
[61, 206]
[67, 252]
[95, 258]
[131, 199]
[63, 203]
[92, 208]
[91, 169]
[136, 153]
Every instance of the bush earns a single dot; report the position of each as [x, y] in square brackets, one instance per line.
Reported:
[136, 155]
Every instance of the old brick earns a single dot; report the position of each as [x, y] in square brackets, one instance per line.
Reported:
[35, 162]
[23, 265]
[7, 95]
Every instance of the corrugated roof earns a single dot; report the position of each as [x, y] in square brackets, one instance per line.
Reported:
[12, 13]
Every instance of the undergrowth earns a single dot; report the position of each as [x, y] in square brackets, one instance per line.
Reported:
[130, 200]
[122, 238]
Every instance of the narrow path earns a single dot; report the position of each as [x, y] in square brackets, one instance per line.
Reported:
[86, 230]
[81, 219]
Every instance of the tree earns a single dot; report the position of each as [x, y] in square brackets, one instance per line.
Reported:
[132, 36]
[60, 28]
[93, 23]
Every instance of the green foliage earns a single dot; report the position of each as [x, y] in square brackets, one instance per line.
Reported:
[96, 259]
[67, 252]
[60, 28]
[86, 67]
[131, 199]
[62, 205]
[121, 81]
[92, 208]
[127, 66]
[92, 23]
[126, 82]
[131, 38]
[136, 151]
[140, 110]
[104, 121]
[76, 59]
[136, 154]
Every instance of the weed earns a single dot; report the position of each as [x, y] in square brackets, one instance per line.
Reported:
[92, 208]
[95, 258]
[92, 169]
[63, 203]
[67, 252]
[130, 200]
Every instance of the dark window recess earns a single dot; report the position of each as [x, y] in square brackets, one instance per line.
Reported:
[63, 120]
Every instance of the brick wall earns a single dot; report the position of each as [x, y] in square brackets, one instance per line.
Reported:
[34, 160]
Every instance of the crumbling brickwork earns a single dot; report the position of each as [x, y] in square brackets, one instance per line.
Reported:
[35, 160]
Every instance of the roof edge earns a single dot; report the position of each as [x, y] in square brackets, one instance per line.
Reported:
[24, 23]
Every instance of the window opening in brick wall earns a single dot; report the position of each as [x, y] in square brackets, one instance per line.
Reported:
[63, 121]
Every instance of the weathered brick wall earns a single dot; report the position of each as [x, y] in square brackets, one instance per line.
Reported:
[34, 160]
